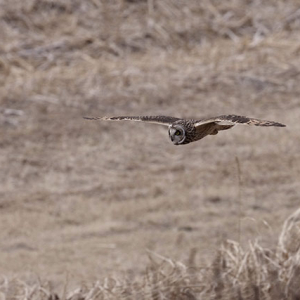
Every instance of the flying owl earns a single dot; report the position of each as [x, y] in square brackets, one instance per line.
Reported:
[185, 131]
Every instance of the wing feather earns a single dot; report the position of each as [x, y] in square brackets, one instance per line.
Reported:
[163, 120]
[234, 119]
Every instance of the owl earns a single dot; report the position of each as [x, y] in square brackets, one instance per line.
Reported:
[185, 131]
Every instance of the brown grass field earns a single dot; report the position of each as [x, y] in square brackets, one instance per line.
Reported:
[104, 210]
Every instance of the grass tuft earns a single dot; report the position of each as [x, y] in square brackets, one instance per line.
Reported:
[234, 273]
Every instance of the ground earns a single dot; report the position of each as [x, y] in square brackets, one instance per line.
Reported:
[83, 200]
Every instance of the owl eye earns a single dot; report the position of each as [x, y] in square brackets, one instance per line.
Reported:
[177, 132]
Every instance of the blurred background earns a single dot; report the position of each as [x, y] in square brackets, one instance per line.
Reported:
[84, 200]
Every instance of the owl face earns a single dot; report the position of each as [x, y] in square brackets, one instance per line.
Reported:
[177, 134]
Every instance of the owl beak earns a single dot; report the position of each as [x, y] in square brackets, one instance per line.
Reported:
[175, 143]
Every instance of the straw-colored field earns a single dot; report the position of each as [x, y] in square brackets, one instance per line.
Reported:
[83, 200]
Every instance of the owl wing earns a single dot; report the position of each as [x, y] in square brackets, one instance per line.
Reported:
[233, 119]
[163, 120]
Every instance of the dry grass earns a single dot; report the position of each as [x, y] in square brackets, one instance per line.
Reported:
[85, 200]
[257, 273]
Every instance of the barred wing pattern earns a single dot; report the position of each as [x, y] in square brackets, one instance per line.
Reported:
[163, 120]
[234, 119]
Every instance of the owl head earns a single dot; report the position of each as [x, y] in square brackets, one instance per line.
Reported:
[177, 134]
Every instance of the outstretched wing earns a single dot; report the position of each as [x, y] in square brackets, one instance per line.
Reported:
[163, 120]
[233, 119]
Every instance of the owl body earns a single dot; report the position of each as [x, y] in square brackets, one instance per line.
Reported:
[185, 131]
[193, 133]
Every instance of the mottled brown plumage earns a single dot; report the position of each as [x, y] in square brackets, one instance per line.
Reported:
[184, 131]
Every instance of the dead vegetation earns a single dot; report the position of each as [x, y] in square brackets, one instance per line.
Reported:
[89, 199]
[235, 273]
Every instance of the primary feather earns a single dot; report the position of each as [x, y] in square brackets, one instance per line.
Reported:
[234, 119]
[164, 120]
